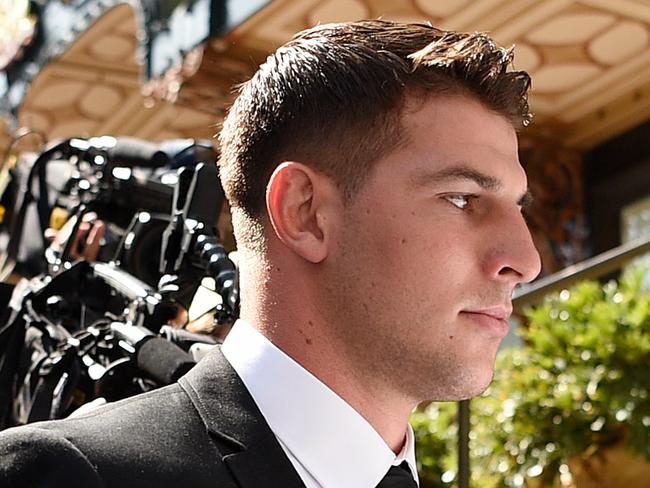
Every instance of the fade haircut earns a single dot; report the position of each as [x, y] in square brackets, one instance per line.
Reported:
[332, 98]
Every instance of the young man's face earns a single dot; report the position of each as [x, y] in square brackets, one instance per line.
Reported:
[430, 250]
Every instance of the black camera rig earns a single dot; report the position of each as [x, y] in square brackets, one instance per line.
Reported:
[80, 330]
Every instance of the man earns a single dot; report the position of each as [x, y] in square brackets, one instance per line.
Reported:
[376, 194]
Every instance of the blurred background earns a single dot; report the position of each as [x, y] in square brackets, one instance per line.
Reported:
[160, 70]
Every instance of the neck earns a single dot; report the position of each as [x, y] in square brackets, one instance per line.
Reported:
[308, 339]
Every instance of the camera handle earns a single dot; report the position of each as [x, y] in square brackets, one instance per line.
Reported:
[191, 236]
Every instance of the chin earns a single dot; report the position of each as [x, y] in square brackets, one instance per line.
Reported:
[469, 385]
[480, 384]
[453, 377]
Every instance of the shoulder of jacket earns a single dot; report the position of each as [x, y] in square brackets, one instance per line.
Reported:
[31, 456]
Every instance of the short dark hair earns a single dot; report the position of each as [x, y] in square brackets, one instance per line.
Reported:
[332, 97]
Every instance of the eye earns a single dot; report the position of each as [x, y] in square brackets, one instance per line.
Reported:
[459, 200]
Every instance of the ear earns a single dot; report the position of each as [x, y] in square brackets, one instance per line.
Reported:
[300, 203]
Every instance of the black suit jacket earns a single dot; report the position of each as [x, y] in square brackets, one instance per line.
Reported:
[204, 431]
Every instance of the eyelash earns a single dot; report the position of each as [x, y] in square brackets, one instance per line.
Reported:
[467, 200]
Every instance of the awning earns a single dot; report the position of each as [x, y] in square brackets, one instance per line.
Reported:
[166, 31]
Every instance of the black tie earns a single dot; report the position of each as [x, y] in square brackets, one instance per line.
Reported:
[398, 477]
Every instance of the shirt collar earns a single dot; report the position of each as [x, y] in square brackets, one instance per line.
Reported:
[331, 440]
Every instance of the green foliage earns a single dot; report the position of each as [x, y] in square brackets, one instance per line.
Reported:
[582, 382]
[434, 452]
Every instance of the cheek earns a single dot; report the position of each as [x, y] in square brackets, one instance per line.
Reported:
[420, 265]
[436, 245]
[439, 266]
[410, 252]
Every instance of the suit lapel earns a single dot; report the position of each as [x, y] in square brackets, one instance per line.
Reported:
[247, 445]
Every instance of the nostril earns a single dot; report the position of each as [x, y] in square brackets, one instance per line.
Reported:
[507, 271]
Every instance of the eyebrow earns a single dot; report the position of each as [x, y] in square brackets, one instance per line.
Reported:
[457, 172]
[465, 172]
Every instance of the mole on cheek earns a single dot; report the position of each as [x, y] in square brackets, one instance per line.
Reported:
[308, 341]
[451, 337]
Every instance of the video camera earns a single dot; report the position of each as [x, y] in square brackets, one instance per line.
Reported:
[80, 330]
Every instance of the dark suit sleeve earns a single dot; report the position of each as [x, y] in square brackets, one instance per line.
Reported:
[33, 457]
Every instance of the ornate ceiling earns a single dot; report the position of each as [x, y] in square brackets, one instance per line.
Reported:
[589, 60]
[95, 88]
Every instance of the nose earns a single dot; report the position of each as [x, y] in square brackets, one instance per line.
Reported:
[513, 256]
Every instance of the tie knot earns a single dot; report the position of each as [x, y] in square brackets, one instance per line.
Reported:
[398, 477]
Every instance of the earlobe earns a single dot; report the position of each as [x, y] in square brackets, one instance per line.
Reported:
[295, 199]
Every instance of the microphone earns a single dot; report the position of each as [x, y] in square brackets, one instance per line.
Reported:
[184, 338]
[160, 359]
[123, 151]
[129, 151]
[163, 361]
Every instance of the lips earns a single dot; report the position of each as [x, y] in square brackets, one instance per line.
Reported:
[492, 319]
[500, 313]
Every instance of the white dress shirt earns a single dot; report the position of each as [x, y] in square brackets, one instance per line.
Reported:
[328, 442]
